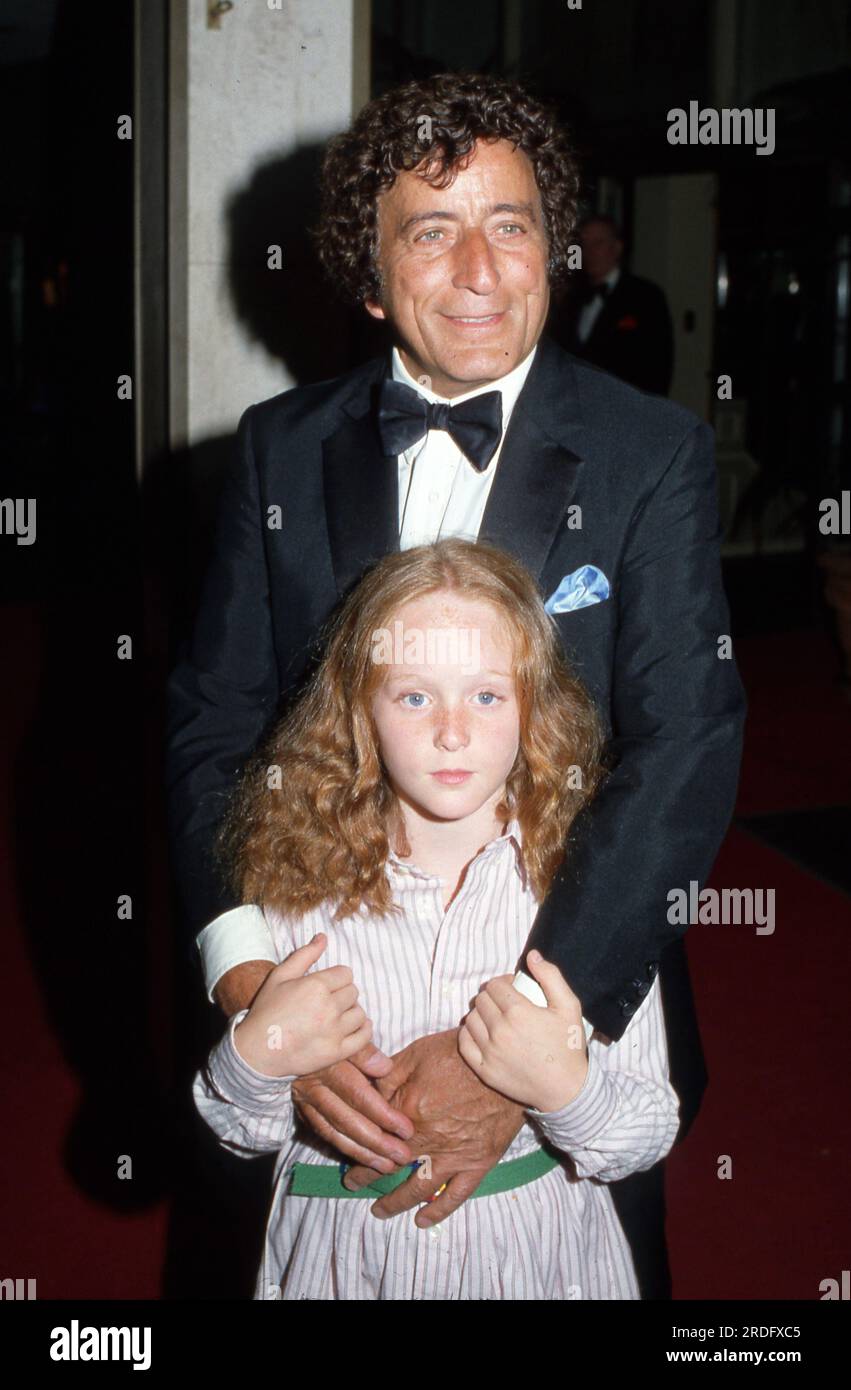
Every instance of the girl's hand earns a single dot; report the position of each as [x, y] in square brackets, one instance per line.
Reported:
[300, 1023]
[533, 1055]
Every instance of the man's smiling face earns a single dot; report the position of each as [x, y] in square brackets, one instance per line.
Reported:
[464, 269]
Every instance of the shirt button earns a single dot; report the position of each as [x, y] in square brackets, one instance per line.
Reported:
[433, 496]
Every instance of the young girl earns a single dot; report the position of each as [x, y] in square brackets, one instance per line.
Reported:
[399, 832]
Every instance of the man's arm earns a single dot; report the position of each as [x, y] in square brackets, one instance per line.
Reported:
[237, 988]
[678, 711]
[237, 953]
[223, 691]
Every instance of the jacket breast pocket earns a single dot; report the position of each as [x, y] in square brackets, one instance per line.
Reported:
[593, 617]
[588, 636]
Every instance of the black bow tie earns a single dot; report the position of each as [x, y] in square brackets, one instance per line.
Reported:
[600, 291]
[404, 416]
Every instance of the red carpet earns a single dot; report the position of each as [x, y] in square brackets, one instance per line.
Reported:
[772, 1013]
[73, 1245]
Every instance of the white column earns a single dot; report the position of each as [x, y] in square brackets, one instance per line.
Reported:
[270, 77]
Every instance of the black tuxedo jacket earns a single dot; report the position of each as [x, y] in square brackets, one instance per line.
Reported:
[632, 335]
[642, 471]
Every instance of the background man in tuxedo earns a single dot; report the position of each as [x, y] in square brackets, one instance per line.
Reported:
[616, 320]
[460, 266]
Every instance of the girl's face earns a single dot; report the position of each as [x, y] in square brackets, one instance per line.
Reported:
[446, 714]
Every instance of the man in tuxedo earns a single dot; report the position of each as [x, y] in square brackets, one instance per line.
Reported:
[616, 320]
[475, 424]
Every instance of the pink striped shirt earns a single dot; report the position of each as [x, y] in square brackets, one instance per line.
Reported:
[558, 1237]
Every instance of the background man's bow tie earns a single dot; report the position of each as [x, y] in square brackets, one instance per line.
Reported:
[404, 416]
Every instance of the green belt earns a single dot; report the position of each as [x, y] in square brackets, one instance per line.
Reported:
[326, 1179]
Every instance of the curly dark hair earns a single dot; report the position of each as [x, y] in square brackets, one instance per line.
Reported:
[387, 137]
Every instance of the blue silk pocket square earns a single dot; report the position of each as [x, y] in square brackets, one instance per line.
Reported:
[578, 590]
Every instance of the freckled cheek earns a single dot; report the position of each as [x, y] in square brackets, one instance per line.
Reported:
[408, 741]
[503, 741]
[497, 736]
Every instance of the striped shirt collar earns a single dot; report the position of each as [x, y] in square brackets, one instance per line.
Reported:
[511, 837]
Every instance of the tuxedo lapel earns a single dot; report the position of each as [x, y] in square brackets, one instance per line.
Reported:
[537, 473]
[361, 488]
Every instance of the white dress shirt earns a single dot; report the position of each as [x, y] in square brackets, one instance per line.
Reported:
[593, 309]
[559, 1236]
[440, 494]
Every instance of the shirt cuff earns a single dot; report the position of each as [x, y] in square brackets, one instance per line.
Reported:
[239, 1083]
[586, 1116]
[530, 989]
[233, 938]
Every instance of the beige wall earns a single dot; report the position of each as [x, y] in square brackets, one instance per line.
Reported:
[264, 83]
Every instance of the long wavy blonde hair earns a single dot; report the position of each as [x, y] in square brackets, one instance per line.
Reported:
[311, 817]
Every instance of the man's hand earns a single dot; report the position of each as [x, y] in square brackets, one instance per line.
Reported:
[343, 1106]
[237, 988]
[463, 1125]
